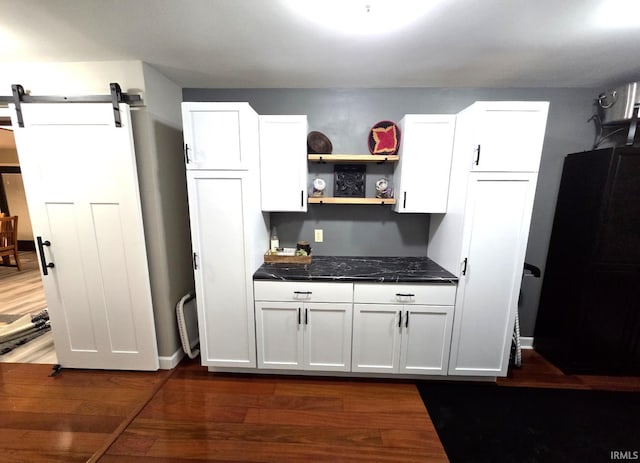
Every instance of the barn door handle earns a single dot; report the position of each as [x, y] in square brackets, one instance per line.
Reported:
[43, 259]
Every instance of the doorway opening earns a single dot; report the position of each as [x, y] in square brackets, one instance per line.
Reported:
[25, 333]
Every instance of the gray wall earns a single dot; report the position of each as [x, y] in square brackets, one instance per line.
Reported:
[346, 115]
[163, 193]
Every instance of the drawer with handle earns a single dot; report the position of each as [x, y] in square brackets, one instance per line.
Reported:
[398, 293]
[303, 291]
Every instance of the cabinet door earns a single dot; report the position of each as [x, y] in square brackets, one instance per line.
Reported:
[220, 135]
[327, 337]
[509, 136]
[495, 234]
[426, 339]
[283, 163]
[376, 337]
[279, 334]
[422, 175]
[223, 285]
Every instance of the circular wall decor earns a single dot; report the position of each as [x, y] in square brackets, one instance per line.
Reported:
[384, 138]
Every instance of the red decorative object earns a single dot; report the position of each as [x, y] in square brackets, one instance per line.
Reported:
[384, 138]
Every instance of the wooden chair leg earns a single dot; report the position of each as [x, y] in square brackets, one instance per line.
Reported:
[16, 255]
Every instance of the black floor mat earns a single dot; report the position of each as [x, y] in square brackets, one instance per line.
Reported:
[488, 423]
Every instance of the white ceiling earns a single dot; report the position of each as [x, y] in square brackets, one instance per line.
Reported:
[262, 43]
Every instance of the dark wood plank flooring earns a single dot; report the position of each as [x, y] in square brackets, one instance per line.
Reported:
[190, 415]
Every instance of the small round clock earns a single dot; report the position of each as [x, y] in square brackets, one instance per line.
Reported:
[319, 186]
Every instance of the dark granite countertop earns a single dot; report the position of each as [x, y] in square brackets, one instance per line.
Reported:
[380, 269]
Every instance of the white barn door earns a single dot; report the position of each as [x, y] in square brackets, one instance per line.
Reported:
[81, 182]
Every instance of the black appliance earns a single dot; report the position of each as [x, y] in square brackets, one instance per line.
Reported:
[589, 314]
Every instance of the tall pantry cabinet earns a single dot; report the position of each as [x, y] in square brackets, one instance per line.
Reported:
[229, 232]
[482, 238]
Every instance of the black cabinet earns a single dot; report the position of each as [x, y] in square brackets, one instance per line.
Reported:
[589, 314]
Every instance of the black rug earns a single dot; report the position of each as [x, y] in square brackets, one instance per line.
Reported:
[479, 422]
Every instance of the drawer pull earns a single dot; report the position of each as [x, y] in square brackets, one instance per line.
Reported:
[405, 295]
[303, 293]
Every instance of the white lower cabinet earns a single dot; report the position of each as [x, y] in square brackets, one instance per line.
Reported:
[409, 336]
[304, 326]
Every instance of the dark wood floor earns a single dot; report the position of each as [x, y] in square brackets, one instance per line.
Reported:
[191, 415]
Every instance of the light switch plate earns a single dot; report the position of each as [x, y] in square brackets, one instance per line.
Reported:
[318, 235]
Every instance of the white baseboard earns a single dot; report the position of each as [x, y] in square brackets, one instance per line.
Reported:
[526, 342]
[169, 363]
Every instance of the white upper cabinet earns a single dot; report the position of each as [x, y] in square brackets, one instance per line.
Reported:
[283, 163]
[508, 135]
[422, 174]
[219, 136]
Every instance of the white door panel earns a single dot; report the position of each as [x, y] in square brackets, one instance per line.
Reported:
[496, 231]
[510, 136]
[224, 301]
[426, 340]
[279, 335]
[220, 136]
[81, 183]
[327, 336]
[422, 174]
[376, 337]
[283, 163]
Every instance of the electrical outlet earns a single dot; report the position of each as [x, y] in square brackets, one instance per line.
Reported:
[317, 233]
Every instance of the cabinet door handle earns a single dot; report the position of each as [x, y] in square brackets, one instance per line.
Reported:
[477, 161]
[195, 261]
[406, 322]
[299, 320]
[399, 318]
[306, 316]
[186, 153]
[464, 266]
[301, 198]
[404, 201]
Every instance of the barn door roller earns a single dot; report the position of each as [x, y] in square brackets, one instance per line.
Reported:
[115, 97]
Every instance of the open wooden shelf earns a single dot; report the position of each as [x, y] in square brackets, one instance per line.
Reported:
[352, 158]
[332, 200]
